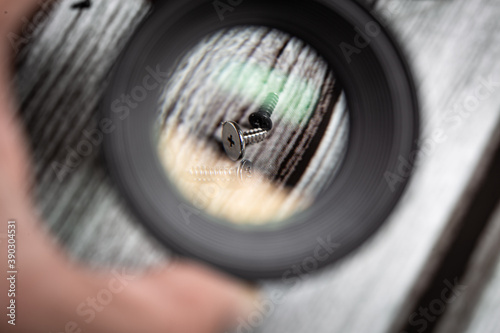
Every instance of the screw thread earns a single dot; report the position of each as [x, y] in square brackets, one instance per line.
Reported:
[270, 103]
[221, 173]
[254, 136]
[209, 174]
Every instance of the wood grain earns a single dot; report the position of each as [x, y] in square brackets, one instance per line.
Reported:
[453, 46]
[375, 289]
[61, 78]
[477, 308]
[227, 77]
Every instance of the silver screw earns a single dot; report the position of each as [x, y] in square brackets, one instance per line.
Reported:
[208, 174]
[235, 140]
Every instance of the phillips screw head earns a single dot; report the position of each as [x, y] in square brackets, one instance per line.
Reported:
[235, 140]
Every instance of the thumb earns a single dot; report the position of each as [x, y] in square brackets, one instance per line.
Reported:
[183, 297]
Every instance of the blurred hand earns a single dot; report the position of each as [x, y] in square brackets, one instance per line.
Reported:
[54, 295]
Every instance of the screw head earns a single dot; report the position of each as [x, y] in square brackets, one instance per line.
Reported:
[232, 140]
[261, 120]
[245, 170]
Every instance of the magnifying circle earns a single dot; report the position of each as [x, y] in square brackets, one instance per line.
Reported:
[383, 129]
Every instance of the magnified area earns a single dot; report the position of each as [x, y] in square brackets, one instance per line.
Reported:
[253, 126]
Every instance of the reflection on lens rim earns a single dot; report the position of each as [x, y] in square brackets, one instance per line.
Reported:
[383, 128]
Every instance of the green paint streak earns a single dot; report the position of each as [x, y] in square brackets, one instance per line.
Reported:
[298, 96]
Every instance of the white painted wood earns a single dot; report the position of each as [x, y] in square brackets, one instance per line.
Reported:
[227, 76]
[61, 79]
[476, 310]
[452, 45]
[485, 317]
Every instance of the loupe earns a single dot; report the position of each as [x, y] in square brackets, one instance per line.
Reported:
[260, 135]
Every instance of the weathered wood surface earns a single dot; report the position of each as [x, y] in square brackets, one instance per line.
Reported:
[452, 46]
[476, 310]
[227, 77]
[482, 313]
[61, 78]
[375, 289]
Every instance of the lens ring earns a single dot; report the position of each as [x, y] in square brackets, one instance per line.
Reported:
[383, 129]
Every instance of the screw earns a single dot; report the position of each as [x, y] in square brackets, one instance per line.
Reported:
[206, 174]
[235, 140]
[262, 118]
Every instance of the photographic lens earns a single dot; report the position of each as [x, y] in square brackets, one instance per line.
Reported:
[189, 157]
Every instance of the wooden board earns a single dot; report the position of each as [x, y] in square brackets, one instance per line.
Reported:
[227, 77]
[452, 47]
[61, 78]
[476, 309]
[376, 289]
